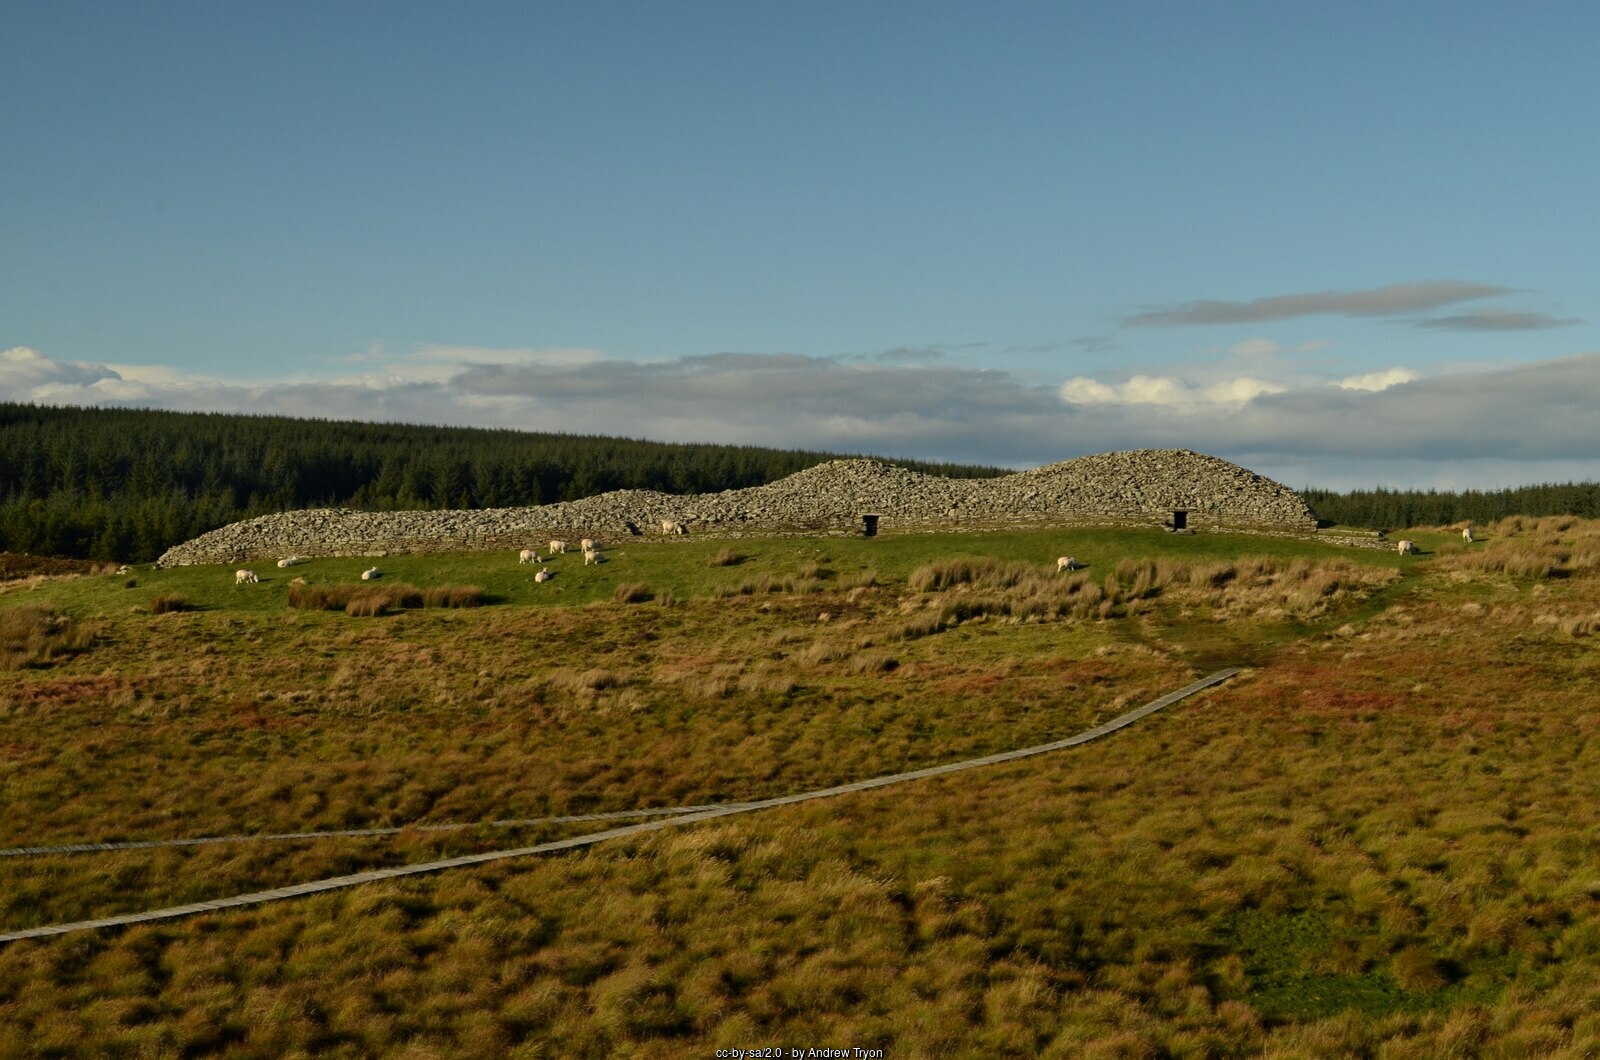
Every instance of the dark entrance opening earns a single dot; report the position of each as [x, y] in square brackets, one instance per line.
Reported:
[1180, 519]
[869, 525]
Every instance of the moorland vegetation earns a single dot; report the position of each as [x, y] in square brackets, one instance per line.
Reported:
[1378, 840]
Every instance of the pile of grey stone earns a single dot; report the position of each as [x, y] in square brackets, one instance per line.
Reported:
[1137, 485]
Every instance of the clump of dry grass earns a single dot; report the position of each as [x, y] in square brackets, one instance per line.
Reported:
[168, 604]
[631, 593]
[727, 557]
[454, 596]
[37, 636]
[367, 601]
[586, 682]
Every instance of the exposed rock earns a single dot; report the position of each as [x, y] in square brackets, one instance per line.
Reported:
[1141, 484]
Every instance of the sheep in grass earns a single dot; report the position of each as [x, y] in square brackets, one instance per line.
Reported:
[672, 526]
[1407, 548]
[543, 575]
[1066, 563]
[245, 577]
[527, 555]
[558, 546]
[1466, 534]
[371, 574]
[288, 561]
[590, 556]
[589, 544]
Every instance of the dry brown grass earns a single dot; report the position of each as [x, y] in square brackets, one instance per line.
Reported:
[726, 557]
[368, 601]
[37, 636]
[168, 604]
[631, 593]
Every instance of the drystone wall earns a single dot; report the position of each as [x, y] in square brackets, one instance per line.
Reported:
[1143, 484]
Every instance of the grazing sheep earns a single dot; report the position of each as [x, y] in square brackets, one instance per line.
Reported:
[371, 574]
[1407, 548]
[1466, 534]
[245, 577]
[590, 556]
[543, 575]
[528, 555]
[558, 546]
[672, 526]
[589, 544]
[1066, 563]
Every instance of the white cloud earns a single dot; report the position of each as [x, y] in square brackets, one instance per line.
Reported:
[1375, 381]
[23, 368]
[1166, 391]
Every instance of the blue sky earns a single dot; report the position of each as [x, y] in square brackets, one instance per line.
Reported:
[1342, 244]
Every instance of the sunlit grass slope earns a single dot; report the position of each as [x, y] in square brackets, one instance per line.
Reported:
[1380, 838]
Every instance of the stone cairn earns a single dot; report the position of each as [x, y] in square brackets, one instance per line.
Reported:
[1140, 486]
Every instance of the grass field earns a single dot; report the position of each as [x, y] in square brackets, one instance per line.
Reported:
[1379, 840]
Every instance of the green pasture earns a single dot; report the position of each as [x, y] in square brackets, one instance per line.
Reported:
[680, 567]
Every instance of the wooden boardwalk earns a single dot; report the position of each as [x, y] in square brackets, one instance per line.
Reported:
[340, 882]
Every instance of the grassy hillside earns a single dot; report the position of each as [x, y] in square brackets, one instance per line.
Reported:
[1379, 839]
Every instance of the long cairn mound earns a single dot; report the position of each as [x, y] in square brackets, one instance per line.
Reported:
[1138, 484]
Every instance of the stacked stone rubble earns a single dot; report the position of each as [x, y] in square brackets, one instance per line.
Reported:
[1145, 484]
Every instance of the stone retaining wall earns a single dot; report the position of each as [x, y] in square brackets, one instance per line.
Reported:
[1140, 485]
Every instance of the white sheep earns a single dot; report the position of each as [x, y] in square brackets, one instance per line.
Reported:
[1466, 534]
[589, 544]
[558, 546]
[289, 561]
[543, 575]
[371, 574]
[528, 555]
[1407, 548]
[1066, 563]
[672, 526]
[590, 556]
[245, 577]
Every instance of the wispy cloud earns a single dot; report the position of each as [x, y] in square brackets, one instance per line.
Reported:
[1375, 381]
[1495, 320]
[1392, 300]
[1167, 391]
[1268, 348]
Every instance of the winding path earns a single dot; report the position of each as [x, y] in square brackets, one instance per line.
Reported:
[340, 882]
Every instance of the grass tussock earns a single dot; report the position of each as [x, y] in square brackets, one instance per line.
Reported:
[632, 593]
[37, 636]
[726, 557]
[367, 601]
[169, 603]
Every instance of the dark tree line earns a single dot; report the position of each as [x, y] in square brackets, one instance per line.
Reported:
[127, 484]
[1397, 509]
